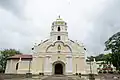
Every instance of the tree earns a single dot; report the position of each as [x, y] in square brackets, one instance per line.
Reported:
[107, 58]
[4, 56]
[113, 44]
[99, 57]
[91, 58]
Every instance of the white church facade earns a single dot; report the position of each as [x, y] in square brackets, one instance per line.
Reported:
[56, 55]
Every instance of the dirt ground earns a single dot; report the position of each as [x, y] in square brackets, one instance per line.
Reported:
[109, 76]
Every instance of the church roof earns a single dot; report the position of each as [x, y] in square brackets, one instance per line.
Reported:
[23, 56]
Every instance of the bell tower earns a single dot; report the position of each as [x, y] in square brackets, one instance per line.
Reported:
[59, 30]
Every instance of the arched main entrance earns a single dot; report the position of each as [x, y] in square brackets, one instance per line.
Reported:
[58, 68]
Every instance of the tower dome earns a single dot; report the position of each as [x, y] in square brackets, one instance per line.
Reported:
[59, 21]
[59, 29]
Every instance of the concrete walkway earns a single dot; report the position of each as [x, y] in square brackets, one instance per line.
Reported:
[63, 78]
[55, 77]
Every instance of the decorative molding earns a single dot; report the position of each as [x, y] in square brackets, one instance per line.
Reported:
[48, 55]
[76, 56]
[65, 45]
[68, 56]
[59, 61]
[41, 56]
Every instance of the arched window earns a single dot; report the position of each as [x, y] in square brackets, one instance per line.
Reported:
[65, 23]
[52, 28]
[58, 28]
[58, 38]
[17, 66]
[52, 23]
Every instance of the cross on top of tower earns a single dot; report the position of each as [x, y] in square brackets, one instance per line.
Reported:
[59, 18]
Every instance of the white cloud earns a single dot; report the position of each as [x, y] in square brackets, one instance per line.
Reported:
[24, 22]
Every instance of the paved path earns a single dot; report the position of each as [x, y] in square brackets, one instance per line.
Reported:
[109, 76]
[62, 78]
[56, 77]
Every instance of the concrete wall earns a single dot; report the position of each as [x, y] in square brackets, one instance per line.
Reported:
[11, 66]
[37, 65]
[93, 68]
[44, 64]
[78, 65]
[23, 66]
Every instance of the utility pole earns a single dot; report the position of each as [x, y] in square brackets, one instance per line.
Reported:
[76, 69]
[42, 66]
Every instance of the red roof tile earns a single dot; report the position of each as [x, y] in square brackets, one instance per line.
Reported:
[21, 56]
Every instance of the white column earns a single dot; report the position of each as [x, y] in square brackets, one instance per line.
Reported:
[47, 65]
[50, 65]
[69, 64]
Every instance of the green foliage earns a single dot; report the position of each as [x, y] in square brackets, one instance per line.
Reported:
[113, 44]
[4, 56]
[107, 58]
[100, 57]
[116, 60]
[91, 58]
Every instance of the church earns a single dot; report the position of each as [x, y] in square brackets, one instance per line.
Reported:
[56, 55]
